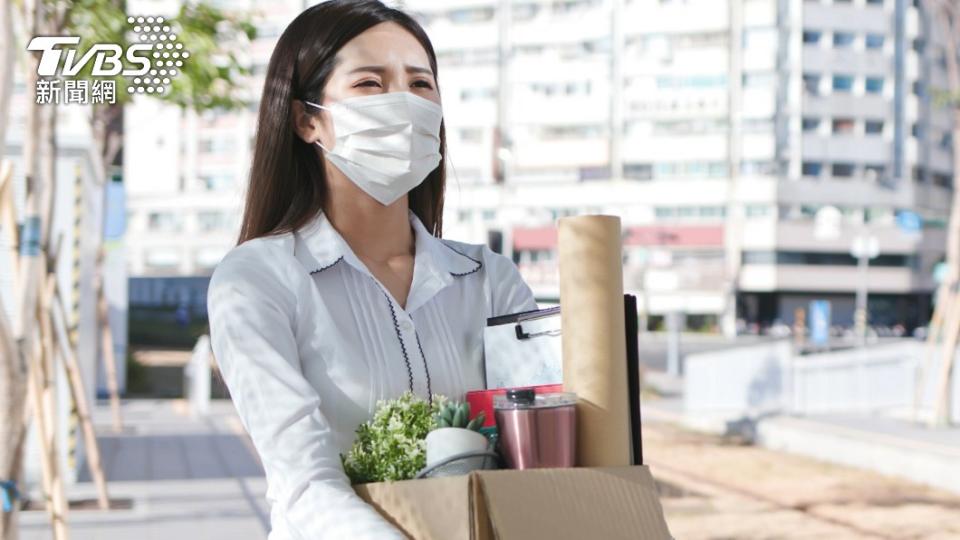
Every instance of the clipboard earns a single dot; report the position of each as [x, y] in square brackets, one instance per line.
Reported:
[523, 349]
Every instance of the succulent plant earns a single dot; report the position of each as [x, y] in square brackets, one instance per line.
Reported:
[457, 414]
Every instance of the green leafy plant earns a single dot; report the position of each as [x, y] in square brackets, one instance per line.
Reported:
[392, 445]
[457, 414]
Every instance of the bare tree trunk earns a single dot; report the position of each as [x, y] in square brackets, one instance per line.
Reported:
[16, 337]
[12, 400]
[948, 294]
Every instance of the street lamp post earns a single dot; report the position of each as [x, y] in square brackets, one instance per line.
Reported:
[865, 247]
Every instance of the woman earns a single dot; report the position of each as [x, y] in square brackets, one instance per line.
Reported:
[340, 291]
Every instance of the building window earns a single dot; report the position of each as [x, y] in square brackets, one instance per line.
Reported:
[217, 182]
[717, 169]
[708, 212]
[758, 210]
[822, 258]
[586, 131]
[842, 83]
[208, 221]
[748, 168]
[691, 81]
[757, 125]
[843, 126]
[842, 170]
[875, 2]
[873, 127]
[664, 170]
[471, 135]
[919, 89]
[874, 85]
[525, 12]
[164, 222]
[811, 124]
[758, 80]
[812, 168]
[470, 15]
[811, 37]
[919, 45]
[874, 172]
[843, 40]
[811, 84]
[943, 180]
[638, 171]
[916, 130]
[874, 41]
[217, 145]
[663, 212]
[476, 94]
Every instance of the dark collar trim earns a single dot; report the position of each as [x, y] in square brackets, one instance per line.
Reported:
[322, 268]
[479, 264]
[426, 369]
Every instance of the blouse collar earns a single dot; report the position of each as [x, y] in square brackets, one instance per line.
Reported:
[436, 263]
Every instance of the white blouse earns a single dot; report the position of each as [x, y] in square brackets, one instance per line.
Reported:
[308, 340]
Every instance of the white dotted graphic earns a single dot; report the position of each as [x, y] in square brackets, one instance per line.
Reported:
[167, 53]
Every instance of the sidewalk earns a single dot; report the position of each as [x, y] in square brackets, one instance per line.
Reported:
[186, 478]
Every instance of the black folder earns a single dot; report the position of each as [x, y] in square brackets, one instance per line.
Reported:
[631, 322]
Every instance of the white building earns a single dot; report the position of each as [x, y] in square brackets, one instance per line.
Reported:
[717, 130]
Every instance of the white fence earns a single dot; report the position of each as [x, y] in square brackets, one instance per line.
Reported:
[768, 378]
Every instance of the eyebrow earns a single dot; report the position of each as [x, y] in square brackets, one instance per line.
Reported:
[381, 69]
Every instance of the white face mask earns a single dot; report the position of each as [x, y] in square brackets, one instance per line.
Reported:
[385, 143]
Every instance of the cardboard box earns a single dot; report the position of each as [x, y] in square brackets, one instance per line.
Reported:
[605, 503]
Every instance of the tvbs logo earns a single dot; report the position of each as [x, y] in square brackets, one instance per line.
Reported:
[149, 63]
[106, 57]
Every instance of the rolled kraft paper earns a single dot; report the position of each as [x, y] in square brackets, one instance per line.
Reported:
[594, 344]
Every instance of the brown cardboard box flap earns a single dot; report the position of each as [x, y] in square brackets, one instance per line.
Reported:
[428, 509]
[609, 503]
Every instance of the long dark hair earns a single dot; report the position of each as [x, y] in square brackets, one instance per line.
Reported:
[287, 182]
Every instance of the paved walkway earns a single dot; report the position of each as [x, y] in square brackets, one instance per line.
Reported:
[186, 478]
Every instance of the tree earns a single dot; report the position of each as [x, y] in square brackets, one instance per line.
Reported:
[211, 79]
[946, 316]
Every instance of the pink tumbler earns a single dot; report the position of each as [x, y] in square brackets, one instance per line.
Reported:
[536, 430]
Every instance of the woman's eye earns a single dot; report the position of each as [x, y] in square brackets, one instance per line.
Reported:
[369, 83]
[423, 84]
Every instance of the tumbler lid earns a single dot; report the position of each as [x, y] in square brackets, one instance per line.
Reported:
[527, 398]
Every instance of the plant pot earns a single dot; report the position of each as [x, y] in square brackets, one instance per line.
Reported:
[443, 443]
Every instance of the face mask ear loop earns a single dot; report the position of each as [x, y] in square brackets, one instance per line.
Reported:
[319, 107]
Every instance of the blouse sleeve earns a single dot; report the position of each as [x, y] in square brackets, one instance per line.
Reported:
[252, 317]
[509, 293]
